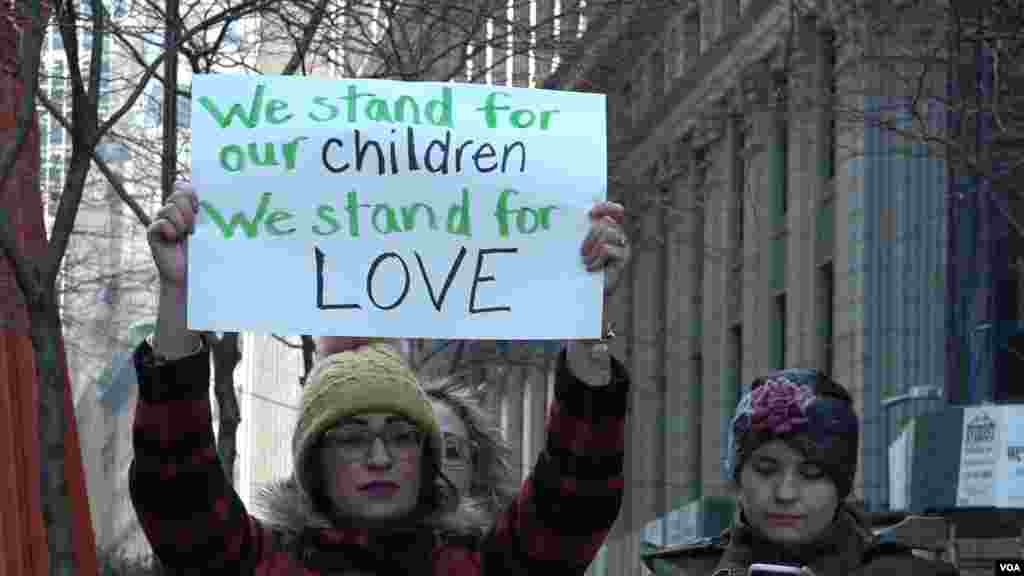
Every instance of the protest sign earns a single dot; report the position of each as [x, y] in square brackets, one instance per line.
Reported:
[394, 209]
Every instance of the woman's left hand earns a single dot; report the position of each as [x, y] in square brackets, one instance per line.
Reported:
[606, 245]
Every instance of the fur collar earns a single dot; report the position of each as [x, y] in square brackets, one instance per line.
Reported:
[283, 507]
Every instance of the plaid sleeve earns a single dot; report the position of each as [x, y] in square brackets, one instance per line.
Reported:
[188, 510]
[567, 505]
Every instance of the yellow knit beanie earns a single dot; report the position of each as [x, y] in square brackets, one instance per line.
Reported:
[371, 378]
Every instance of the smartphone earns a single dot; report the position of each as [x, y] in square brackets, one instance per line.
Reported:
[770, 569]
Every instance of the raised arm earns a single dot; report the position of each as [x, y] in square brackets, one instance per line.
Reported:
[188, 510]
[567, 505]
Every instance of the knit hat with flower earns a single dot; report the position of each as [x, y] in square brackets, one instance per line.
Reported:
[368, 378]
[809, 412]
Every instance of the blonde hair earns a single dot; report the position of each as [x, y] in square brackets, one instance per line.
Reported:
[492, 483]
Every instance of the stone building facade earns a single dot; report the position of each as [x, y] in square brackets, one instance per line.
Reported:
[768, 234]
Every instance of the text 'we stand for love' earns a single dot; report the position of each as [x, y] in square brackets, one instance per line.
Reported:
[361, 134]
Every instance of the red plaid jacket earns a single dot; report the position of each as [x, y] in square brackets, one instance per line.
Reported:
[197, 524]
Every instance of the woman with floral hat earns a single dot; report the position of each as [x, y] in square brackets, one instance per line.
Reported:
[367, 495]
[793, 447]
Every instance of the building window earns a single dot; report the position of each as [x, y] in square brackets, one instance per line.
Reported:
[152, 104]
[832, 132]
[1013, 349]
[657, 78]
[682, 149]
[736, 363]
[697, 385]
[638, 101]
[184, 112]
[152, 45]
[780, 332]
[739, 180]
[676, 49]
[827, 291]
[700, 180]
[782, 140]
[44, 137]
[120, 8]
[626, 107]
[700, 160]
[233, 35]
[691, 31]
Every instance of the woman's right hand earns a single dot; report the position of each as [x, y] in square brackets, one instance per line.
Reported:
[168, 232]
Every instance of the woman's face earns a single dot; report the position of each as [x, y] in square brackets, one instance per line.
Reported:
[372, 466]
[786, 498]
[457, 465]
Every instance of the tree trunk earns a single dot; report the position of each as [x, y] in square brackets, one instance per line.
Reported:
[226, 355]
[50, 370]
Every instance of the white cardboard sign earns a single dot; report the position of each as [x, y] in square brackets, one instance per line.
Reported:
[394, 209]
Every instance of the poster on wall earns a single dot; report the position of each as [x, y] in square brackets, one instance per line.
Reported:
[979, 453]
[1011, 489]
[992, 457]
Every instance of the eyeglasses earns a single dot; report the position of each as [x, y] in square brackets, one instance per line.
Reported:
[354, 443]
[458, 450]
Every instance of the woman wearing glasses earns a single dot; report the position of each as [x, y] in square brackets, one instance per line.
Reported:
[476, 457]
[367, 494]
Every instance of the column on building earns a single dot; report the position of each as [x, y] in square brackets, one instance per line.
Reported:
[805, 194]
[779, 154]
[849, 250]
[569, 26]
[825, 153]
[732, 205]
[757, 295]
[545, 39]
[623, 541]
[682, 386]
[478, 71]
[511, 416]
[534, 377]
[710, 156]
[521, 44]
[646, 450]
[501, 65]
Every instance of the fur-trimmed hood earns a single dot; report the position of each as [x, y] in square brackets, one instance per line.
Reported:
[281, 506]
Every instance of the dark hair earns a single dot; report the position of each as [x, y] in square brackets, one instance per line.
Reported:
[829, 433]
[437, 493]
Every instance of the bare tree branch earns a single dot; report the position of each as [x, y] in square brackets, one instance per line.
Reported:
[286, 342]
[115, 181]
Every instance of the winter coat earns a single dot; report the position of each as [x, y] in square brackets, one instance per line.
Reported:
[197, 524]
[847, 549]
